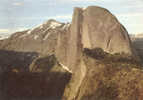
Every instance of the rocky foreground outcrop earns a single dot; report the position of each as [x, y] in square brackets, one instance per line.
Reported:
[105, 77]
[95, 49]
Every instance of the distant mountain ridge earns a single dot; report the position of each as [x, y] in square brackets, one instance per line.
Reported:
[41, 38]
[139, 35]
[137, 41]
[136, 36]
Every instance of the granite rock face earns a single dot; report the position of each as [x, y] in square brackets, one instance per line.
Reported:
[104, 31]
[101, 29]
[94, 27]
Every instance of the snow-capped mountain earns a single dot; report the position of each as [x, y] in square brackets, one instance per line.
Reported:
[43, 31]
[41, 38]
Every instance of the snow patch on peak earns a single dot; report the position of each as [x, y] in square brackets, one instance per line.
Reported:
[53, 25]
[29, 32]
[48, 34]
[41, 26]
[38, 26]
[50, 24]
[36, 37]
[66, 26]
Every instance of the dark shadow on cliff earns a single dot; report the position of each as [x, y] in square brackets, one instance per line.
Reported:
[138, 44]
[115, 59]
[18, 60]
[33, 86]
[18, 83]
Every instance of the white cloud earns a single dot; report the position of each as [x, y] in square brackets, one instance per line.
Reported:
[66, 16]
[13, 30]
[130, 15]
[132, 21]
[17, 4]
[58, 17]
[19, 29]
[4, 30]
[84, 0]
[62, 17]
[69, 1]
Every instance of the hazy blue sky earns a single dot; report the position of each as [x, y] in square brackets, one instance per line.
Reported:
[17, 15]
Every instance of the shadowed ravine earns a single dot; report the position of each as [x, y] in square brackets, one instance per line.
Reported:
[16, 60]
[33, 86]
[18, 82]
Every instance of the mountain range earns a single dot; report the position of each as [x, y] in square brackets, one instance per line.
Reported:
[91, 58]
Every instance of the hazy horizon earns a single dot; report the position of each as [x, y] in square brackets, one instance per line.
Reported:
[18, 15]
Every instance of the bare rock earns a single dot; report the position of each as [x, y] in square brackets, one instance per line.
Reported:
[92, 28]
[101, 29]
